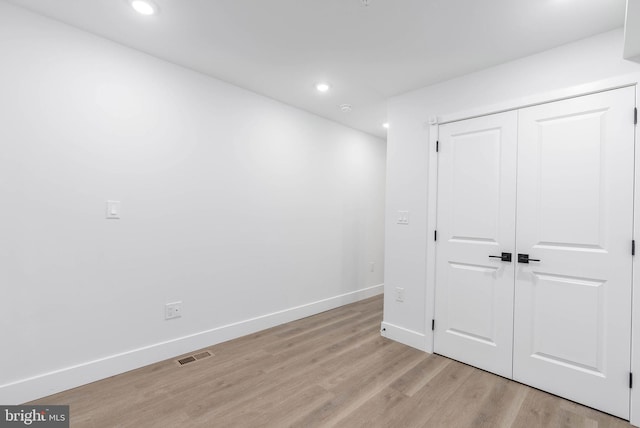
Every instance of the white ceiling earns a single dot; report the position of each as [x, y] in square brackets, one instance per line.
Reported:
[281, 48]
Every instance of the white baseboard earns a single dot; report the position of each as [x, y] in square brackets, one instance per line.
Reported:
[404, 336]
[53, 382]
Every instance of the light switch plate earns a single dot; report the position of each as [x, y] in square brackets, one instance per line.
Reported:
[403, 217]
[113, 209]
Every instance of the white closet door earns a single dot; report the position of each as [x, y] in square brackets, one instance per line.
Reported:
[476, 220]
[574, 214]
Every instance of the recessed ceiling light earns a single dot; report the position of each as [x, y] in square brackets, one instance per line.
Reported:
[322, 87]
[346, 108]
[144, 7]
[385, 125]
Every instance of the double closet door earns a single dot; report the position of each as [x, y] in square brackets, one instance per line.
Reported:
[533, 257]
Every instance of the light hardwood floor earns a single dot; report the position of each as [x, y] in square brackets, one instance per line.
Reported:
[331, 369]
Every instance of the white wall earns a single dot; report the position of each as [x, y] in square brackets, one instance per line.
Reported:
[249, 211]
[589, 60]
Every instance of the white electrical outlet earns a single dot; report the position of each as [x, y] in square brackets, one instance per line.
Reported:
[372, 266]
[399, 294]
[172, 310]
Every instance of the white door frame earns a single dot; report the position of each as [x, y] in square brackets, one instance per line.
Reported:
[432, 197]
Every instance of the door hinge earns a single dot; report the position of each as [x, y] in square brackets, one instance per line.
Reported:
[635, 115]
[433, 325]
[437, 146]
[633, 247]
[435, 235]
[630, 380]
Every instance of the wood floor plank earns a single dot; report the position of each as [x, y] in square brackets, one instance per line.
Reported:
[374, 410]
[372, 376]
[331, 369]
[416, 378]
[283, 407]
[538, 409]
[419, 408]
[602, 420]
[501, 406]
[468, 403]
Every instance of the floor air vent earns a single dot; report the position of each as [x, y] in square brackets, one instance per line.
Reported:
[195, 357]
[186, 360]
